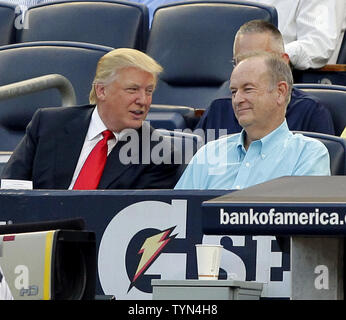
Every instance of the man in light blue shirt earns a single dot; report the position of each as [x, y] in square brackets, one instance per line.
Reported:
[265, 149]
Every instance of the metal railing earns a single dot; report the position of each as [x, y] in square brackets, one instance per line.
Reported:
[49, 81]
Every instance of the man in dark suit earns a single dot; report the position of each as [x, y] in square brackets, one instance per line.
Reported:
[304, 112]
[59, 142]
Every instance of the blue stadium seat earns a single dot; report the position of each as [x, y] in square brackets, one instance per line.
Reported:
[171, 117]
[336, 147]
[7, 23]
[333, 97]
[186, 145]
[76, 61]
[166, 120]
[193, 41]
[110, 23]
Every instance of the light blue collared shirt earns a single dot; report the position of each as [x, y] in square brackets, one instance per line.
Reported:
[225, 164]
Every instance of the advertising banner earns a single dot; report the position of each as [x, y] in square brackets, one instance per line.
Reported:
[151, 234]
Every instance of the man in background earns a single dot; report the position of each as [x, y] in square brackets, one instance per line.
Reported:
[304, 112]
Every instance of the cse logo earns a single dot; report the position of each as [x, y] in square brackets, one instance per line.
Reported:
[133, 248]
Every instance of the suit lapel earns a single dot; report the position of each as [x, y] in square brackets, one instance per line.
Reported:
[69, 143]
[115, 167]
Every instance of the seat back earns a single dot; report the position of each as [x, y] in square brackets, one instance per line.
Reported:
[110, 23]
[166, 120]
[162, 116]
[186, 145]
[193, 41]
[75, 61]
[333, 97]
[336, 147]
[7, 23]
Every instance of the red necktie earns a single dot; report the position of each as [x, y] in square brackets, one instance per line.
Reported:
[91, 172]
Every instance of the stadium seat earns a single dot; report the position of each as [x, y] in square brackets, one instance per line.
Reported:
[185, 143]
[76, 61]
[171, 117]
[166, 120]
[333, 97]
[7, 23]
[193, 41]
[110, 23]
[337, 150]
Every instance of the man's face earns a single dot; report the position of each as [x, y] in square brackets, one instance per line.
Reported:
[253, 100]
[125, 102]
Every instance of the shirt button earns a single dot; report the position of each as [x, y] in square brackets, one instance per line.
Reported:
[247, 164]
[237, 187]
[263, 156]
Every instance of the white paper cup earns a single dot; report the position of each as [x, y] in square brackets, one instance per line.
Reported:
[208, 261]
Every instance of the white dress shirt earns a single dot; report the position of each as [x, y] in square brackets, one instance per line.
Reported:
[93, 136]
[312, 30]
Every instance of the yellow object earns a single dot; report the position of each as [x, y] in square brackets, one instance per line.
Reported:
[343, 135]
[47, 266]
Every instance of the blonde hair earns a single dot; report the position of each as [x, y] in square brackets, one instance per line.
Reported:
[109, 65]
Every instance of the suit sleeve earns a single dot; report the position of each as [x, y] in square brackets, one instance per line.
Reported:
[20, 165]
[163, 176]
[166, 166]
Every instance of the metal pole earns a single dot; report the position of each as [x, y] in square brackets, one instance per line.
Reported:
[38, 84]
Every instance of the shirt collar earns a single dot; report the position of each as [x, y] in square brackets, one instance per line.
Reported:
[241, 140]
[276, 137]
[269, 141]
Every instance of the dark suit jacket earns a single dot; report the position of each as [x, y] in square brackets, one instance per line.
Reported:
[49, 152]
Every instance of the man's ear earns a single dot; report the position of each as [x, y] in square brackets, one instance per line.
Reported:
[286, 57]
[100, 91]
[282, 92]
